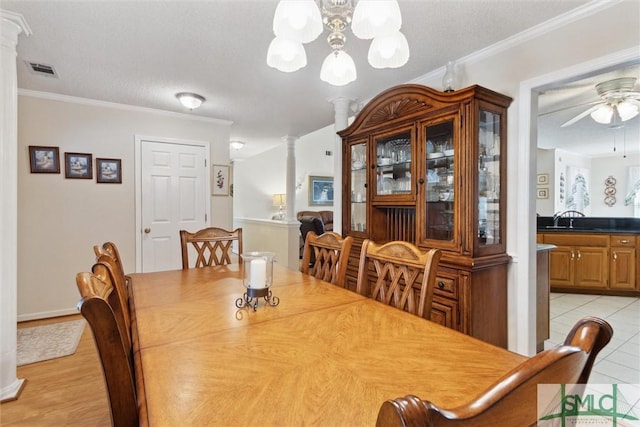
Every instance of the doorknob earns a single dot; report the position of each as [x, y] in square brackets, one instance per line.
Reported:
[147, 230]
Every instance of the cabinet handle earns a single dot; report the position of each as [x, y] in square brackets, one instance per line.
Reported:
[615, 256]
[421, 181]
[441, 284]
[624, 241]
[579, 255]
[573, 256]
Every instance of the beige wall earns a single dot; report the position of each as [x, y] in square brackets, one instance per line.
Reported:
[59, 220]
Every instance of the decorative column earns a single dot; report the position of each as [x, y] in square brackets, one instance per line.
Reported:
[11, 25]
[341, 119]
[293, 226]
[291, 177]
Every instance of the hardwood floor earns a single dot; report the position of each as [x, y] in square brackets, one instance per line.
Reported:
[68, 391]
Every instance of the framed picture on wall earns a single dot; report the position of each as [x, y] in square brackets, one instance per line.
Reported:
[44, 159]
[543, 179]
[320, 191]
[109, 171]
[220, 180]
[78, 165]
[542, 193]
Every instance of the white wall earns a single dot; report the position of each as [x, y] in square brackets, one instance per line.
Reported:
[258, 178]
[59, 220]
[617, 165]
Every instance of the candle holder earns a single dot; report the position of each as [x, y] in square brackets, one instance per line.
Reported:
[257, 277]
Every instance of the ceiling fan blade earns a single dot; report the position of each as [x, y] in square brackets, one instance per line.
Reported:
[582, 115]
[557, 110]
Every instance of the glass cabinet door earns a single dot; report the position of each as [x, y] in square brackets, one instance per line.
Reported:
[393, 164]
[489, 139]
[440, 181]
[358, 153]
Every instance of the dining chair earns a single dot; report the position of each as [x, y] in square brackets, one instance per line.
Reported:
[115, 352]
[110, 249]
[213, 246]
[109, 253]
[512, 399]
[402, 276]
[331, 252]
[118, 297]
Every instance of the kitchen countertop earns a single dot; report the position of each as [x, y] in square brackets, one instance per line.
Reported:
[589, 225]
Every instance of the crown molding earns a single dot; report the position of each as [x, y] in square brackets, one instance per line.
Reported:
[17, 19]
[117, 106]
[555, 23]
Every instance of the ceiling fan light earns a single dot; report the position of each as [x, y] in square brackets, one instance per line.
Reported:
[298, 20]
[390, 51]
[374, 18]
[338, 69]
[602, 114]
[286, 55]
[190, 100]
[627, 110]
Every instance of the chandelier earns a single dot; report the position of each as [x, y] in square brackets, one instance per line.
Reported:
[297, 22]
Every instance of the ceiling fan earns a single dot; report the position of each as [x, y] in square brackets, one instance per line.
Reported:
[619, 103]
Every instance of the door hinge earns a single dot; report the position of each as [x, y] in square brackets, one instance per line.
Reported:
[205, 218]
[205, 163]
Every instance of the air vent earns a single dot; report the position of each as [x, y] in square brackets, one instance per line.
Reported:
[42, 69]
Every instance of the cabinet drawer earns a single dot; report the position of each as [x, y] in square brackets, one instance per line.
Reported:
[446, 286]
[623, 240]
[575, 239]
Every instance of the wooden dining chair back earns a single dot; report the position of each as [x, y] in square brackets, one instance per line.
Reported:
[402, 276]
[330, 251]
[512, 400]
[115, 354]
[110, 249]
[213, 246]
[118, 299]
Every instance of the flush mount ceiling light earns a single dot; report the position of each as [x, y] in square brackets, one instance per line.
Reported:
[190, 100]
[236, 145]
[301, 21]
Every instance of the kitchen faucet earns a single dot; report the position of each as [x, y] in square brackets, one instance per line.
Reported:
[556, 218]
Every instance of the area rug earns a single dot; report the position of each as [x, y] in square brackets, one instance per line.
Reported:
[40, 343]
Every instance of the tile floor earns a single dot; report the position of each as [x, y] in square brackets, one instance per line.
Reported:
[619, 361]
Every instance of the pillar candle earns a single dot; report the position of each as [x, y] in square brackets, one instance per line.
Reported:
[258, 274]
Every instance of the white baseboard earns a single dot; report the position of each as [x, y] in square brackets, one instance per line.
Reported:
[47, 314]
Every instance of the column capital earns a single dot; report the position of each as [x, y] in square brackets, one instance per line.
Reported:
[19, 24]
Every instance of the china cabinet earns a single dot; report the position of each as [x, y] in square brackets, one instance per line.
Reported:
[428, 167]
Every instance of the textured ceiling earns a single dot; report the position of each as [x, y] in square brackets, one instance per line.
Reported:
[143, 52]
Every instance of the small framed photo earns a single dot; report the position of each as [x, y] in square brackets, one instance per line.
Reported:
[320, 191]
[543, 179]
[542, 193]
[78, 165]
[109, 171]
[220, 185]
[44, 159]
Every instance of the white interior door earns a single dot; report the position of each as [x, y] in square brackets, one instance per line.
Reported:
[174, 195]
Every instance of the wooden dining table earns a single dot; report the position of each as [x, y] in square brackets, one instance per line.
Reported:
[323, 356]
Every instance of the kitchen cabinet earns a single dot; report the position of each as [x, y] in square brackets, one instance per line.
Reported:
[623, 262]
[429, 167]
[600, 263]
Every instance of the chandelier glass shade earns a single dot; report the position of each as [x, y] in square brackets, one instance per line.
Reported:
[301, 21]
